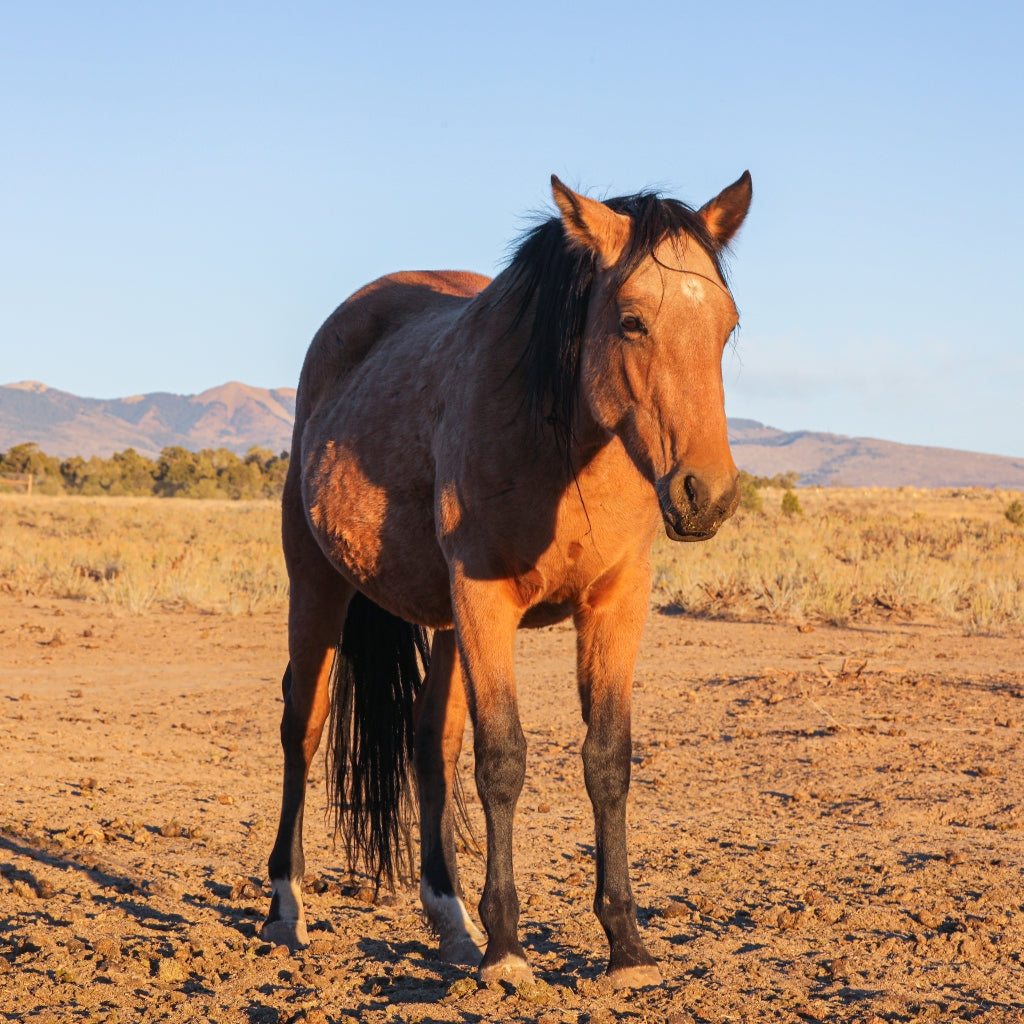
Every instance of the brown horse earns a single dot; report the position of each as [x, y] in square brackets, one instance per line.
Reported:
[473, 456]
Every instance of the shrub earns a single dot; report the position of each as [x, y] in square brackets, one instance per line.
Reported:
[1015, 512]
[750, 496]
[791, 504]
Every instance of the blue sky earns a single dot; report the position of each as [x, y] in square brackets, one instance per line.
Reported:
[190, 188]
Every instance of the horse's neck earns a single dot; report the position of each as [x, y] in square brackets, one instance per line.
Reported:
[495, 345]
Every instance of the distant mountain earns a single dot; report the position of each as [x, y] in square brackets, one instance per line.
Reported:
[237, 417]
[864, 461]
[233, 416]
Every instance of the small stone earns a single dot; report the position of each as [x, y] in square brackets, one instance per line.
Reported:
[538, 992]
[460, 988]
[109, 949]
[171, 972]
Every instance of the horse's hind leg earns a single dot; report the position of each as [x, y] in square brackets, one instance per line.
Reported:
[608, 637]
[316, 612]
[440, 721]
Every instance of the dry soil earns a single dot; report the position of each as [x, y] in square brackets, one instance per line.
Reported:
[825, 826]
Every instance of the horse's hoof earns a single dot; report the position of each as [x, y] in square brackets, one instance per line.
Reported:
[640, 976]
[460, 941]
[461, 950]
[513, 969]
[292, 934]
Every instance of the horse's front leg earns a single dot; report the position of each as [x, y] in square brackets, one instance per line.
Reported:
[440, 722]
[485, 625]
[608, 637]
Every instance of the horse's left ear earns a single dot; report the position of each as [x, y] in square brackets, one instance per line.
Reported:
[724, 214]
[591, 225]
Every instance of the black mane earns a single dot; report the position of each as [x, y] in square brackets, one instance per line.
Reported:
[553, 280]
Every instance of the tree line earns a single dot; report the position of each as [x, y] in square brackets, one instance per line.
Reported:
[175, 473]
[210, 473]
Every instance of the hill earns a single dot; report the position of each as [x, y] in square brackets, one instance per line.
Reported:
[864, 461]
[233, 416]
[237, 416]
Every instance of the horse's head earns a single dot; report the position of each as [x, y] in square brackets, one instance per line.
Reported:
[650, 361]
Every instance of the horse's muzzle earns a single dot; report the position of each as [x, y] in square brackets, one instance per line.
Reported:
[694, 505]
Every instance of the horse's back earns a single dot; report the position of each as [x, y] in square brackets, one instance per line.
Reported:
[373, 313]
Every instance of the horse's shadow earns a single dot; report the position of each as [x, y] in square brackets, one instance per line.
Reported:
[102, 877]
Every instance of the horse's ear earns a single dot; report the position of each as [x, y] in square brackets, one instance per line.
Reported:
[591, 225]
[724, 214]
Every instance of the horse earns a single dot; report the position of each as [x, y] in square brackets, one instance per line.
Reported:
[472, 456]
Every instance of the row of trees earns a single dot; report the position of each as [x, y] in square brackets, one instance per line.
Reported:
[214, 473]
[176, 473]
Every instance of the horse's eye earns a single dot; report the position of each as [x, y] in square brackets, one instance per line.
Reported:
[632, 325]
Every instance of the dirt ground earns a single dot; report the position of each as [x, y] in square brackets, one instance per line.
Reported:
[825, 826]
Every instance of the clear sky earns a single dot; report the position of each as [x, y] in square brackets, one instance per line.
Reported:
[189, 188]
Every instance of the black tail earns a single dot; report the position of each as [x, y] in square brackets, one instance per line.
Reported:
[376, 679]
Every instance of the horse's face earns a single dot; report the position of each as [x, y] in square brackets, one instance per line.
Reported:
[651, 366]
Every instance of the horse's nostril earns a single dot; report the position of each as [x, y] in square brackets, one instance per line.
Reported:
[690, 484]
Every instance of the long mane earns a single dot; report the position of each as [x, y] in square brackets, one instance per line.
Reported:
[552, 281]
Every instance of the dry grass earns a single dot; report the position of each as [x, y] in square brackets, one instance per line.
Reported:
[136, 553]
[853, 555]
[948, 556]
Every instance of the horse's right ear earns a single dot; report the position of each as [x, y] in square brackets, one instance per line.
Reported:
[591, 225]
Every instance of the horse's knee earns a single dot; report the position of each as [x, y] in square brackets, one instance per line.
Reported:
[501, 764]
[606, 763]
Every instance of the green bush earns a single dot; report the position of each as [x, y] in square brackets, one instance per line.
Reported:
[750, 496]
[791, 504]
[1015, 512]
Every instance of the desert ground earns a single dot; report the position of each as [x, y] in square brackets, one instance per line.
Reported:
[825, 825]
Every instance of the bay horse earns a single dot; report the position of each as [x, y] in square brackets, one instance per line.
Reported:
[472, 456]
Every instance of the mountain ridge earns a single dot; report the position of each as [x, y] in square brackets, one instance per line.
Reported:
[239, 416]
[233, 415]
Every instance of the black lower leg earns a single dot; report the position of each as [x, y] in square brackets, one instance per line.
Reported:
[287, 863]
[606, 764]
[438, 865]
[500, 771]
